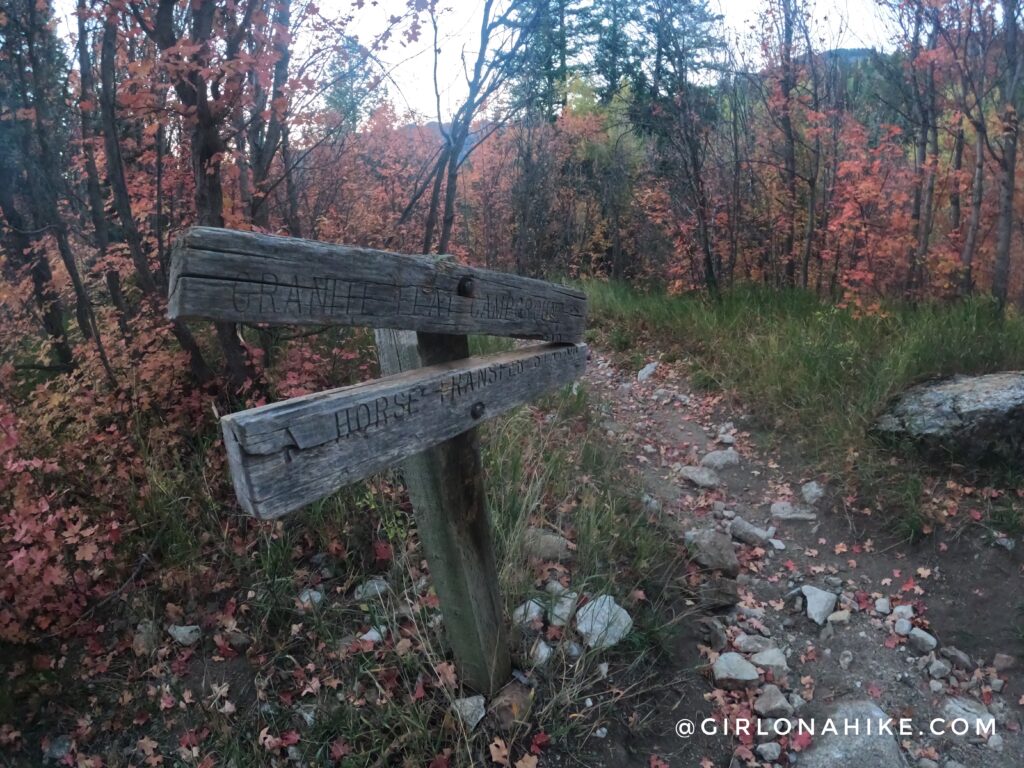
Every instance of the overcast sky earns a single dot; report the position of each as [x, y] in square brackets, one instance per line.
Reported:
[839, 24]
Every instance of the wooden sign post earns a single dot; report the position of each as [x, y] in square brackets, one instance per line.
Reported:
[421, 414]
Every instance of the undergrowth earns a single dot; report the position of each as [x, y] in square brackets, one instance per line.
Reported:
[817, 372]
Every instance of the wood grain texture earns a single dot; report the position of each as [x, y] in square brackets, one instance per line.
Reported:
[286, 455]
[446, 487]
[222, 274]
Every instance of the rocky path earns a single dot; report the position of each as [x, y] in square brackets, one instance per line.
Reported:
[805, 614]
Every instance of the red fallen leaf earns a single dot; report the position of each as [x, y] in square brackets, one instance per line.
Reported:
[875, 690]
[891, 642]
[656, 762]
[441, 761]
[790, 566]
[800, 741]
[288, 738]
[863, 599]
[419, 692]
[340, 748]
[382, 551]
[908, 585]
[539, 742]
[975, 515]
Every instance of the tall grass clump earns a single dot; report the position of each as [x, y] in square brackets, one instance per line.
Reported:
[820, 372]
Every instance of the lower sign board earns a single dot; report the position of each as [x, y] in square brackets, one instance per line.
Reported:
[286, 455]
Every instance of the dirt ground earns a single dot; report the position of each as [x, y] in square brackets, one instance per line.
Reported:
[964, 589]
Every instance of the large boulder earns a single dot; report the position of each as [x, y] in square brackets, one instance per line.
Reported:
[862, 746]
[976, 419]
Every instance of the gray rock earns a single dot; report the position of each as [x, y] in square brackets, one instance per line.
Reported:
[646, 372]
[769, 752]
[718, 592]
[902, 627]
[720, 459]
[470, 710]
[995, 742]
[784, 510]
[812, 492]
[713, 633]
[733, 672]
[185, 634]
[866, 749]
[702, 477]
[371, 588]
[924, 762]
[796, 701]
[939, 669]
[545, 545]
[974, 418]
[903, 612]
[746, 532]
[773, 660]
[921, 641]
[777, 544]
[883, 606]
[974, 712]
[529, 612]
[562, 608]
[936, 686]
[953, 764]
[714, 551]
[751, 643]
[772, 703]
[602, 622]
[651, 504]
[820, 603]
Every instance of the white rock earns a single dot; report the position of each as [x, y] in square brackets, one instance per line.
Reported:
[561, 610]
[371, 588]
[701, 476]
[902, 627]
[601, 733]
[777, 544]
[883, 606]
[310, 598]
[812, 492]
[185, 634]
[783, 510]
[526, 614]
[646, 372]
[602, 622]
[541, 653]
[974, 712]
[820, 603]
[373, 635]
[471, 710]
[732, 672]
[751, 643]
[903, 612]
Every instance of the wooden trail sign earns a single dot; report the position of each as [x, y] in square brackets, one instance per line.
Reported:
[286, 455]
[422, 414]
[220, 274]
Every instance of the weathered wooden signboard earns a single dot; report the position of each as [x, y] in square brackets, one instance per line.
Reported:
[286, 455]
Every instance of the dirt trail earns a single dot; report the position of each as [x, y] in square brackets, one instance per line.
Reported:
[961, 590]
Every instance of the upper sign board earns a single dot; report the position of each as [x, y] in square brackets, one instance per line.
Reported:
[222, 274]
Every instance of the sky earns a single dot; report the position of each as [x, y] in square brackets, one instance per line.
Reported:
[410, 85]
[839, 24]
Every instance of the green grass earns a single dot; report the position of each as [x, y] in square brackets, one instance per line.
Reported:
[819, 372]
